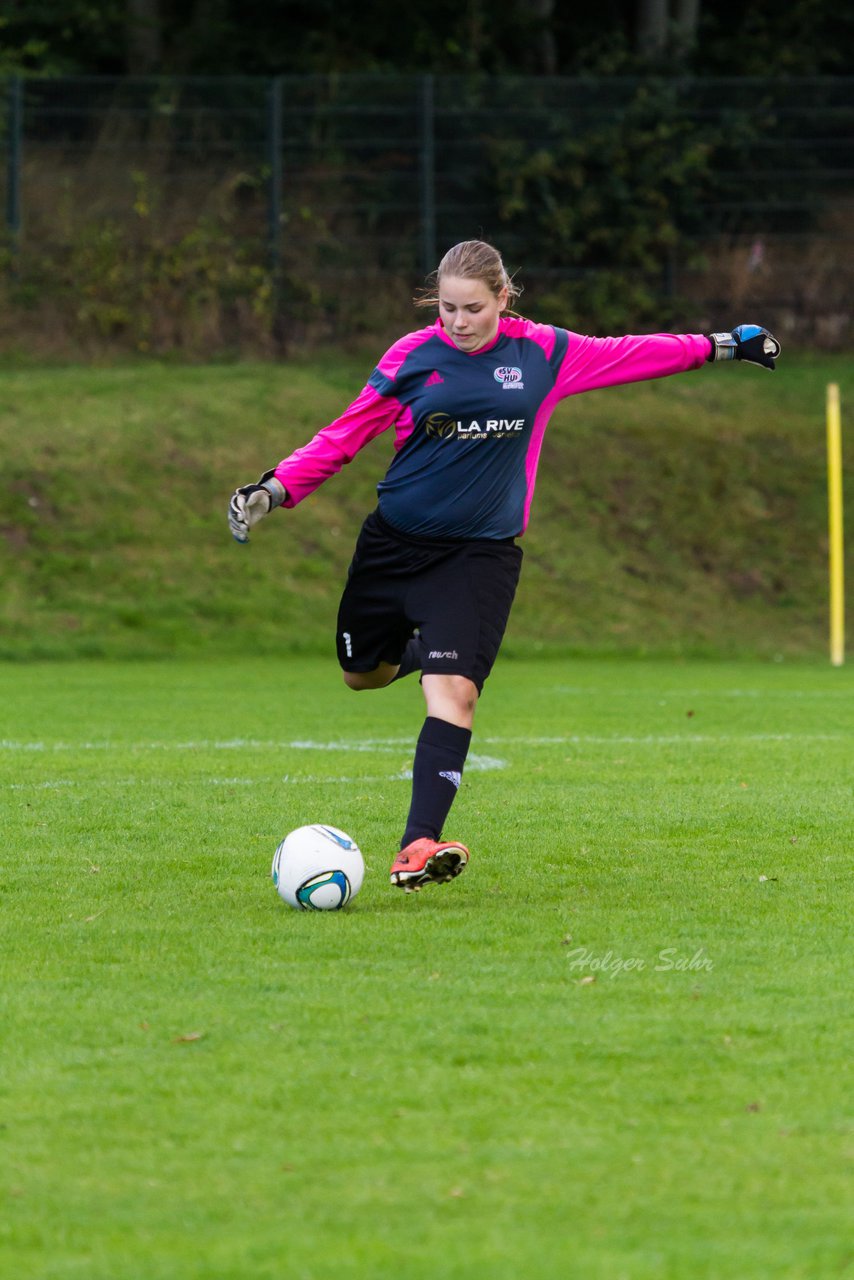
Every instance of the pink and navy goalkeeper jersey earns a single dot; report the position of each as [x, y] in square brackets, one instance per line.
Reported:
[468, 426]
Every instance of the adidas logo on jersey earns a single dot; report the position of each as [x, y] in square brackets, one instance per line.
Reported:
[434, 379]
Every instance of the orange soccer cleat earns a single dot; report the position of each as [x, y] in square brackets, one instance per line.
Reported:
[427, 861]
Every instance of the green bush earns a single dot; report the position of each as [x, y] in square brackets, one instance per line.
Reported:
[206, 291]
[610, 203]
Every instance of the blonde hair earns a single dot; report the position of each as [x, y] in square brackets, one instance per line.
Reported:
[470, 260]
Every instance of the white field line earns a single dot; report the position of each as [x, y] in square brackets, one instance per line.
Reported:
[474, 764]
[230, 744]
[394, 745]
[57, 784]
[677, 696]
[666, 739]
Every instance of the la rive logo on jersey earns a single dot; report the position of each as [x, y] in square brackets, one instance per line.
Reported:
[510, 377]
[441, 426]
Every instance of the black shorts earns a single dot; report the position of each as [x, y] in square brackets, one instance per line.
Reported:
[456, 594]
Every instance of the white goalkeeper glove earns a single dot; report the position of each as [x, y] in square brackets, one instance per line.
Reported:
[747, 342]
[252, 502]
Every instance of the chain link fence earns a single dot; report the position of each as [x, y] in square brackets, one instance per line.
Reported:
[233, 214]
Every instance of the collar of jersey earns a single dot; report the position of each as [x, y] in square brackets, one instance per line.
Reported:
[440, 329]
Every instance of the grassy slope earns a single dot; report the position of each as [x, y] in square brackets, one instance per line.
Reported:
[678, 516]
[197, 1082]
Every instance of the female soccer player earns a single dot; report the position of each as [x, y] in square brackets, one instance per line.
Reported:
[436, 564]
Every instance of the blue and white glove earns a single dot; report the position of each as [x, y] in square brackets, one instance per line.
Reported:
[252, 502]
[748, 342]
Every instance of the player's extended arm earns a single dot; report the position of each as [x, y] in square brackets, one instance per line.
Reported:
[746, 342]
[251, 502]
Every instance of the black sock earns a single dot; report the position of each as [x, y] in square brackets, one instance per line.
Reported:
[439, 759]
[411, 660]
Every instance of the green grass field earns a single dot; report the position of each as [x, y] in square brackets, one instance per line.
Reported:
[618, 1047]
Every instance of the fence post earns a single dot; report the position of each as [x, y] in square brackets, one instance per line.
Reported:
[274, 193]
[428, 176]
[14, 126]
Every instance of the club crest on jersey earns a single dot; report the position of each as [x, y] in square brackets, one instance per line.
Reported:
[510, 377]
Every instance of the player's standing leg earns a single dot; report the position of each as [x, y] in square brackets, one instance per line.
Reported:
[440, 756]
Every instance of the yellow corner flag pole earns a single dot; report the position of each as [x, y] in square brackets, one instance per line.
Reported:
[834, 505]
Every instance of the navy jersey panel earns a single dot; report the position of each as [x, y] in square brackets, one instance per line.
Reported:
[461, 473]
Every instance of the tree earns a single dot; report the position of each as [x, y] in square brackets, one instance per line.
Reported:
[660, 30]
[686, 25]
[544, 52]
[652, 28]
[144, 37]
[450, 37]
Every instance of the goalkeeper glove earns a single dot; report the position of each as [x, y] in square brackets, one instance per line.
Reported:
[252, 502]
[747, 342]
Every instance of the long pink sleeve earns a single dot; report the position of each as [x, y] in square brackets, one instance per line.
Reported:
[305, 469]
[606, 362]
[588, 363]
[371, 413]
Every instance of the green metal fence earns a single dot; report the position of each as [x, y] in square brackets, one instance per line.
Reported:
[736, 192]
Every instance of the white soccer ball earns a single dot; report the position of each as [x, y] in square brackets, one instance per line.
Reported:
[318, 868]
